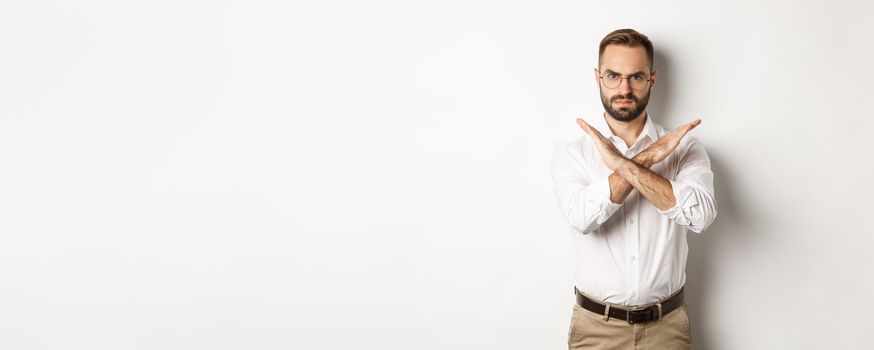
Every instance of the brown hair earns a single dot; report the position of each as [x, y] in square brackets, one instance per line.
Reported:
[626, 37]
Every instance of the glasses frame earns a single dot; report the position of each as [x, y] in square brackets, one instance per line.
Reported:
[621, 78]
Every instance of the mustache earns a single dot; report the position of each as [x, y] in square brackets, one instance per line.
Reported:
[620, 97]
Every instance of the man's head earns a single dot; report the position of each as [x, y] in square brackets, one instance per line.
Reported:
[624, 75]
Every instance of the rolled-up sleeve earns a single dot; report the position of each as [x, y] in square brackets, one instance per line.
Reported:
[584, 203]
[695, 206]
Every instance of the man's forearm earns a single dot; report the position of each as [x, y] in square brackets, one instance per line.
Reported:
[619, 187]
[653, 186]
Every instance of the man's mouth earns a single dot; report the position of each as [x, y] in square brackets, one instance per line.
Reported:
[624, 101]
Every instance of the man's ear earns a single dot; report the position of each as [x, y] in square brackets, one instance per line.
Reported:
[653, 77]
[597, 77]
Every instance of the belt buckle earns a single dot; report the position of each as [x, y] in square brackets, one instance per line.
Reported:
[635, 310]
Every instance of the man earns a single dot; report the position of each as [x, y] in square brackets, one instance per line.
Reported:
[629, 191]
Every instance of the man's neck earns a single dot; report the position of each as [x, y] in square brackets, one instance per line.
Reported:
[627, 131]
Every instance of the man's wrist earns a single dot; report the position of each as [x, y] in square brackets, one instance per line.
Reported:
[627, 164]
[644, 159]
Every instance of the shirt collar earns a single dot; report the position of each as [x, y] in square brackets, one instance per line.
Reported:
[649, 129]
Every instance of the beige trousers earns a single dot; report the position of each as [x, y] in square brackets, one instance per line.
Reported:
[591, 331]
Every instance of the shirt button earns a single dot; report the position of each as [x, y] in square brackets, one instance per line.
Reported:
[633, 257]
[631, 221]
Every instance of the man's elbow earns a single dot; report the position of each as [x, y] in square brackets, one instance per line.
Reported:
[583, 227]
[701, 225]
[589, 228]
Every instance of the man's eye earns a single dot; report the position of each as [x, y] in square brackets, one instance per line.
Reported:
[637, 77]
[612, 75]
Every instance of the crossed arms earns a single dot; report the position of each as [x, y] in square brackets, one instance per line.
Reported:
[586, 203]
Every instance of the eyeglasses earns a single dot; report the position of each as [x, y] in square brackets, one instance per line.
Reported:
[613, 80]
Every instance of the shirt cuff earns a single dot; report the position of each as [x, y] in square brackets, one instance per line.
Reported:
[685, 200]
[600, 191]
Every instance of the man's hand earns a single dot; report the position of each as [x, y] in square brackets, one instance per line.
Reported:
[666, 144]
[612, 158]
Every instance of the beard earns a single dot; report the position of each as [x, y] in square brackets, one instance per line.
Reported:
[625, 114]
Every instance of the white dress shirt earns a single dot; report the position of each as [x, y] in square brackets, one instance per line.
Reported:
[631, 253]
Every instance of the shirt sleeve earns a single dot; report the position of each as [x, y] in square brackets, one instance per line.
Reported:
[693, 189]
[584, 203]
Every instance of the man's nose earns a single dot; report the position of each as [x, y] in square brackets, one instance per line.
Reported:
[624, 86]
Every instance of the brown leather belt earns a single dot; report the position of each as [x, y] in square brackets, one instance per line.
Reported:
[635, 315]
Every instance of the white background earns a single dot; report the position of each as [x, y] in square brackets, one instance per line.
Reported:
[375, 175]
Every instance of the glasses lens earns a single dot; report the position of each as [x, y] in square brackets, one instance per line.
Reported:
[637, 83]
[612, 80]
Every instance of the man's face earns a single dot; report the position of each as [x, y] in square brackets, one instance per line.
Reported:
[624, 103]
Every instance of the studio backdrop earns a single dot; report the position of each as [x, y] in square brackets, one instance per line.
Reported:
[376, 175]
